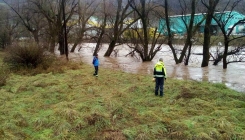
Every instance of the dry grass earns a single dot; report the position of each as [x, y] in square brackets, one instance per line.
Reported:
[70, 103]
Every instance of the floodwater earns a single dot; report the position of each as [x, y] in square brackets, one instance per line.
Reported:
[233, 77]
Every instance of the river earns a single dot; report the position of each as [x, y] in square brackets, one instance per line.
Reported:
[233, 77]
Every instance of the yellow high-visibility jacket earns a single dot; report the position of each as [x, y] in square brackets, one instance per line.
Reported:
[160, 70]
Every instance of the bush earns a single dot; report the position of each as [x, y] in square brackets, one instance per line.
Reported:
[4, 73]
[27, 55]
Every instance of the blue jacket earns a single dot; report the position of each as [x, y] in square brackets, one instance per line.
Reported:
[96, 61]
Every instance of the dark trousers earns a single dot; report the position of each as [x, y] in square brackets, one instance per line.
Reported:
[96, 69]
[159, 85]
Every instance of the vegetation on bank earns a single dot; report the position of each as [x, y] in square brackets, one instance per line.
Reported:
[66, 101]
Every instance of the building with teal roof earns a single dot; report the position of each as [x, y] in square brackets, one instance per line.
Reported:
[178, 23]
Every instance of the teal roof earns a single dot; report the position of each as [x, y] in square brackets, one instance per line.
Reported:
[178, 23]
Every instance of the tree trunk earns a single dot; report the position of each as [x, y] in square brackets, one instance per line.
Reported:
[170, 39]
[78, 41]
[218, 59]
[74, 47]
[115, 29]
[52, 46]
[188, 55]
[188, 42]
[52, 38]
[225, 54]
[206, 46]
[99, 42]
[207, 32]
[173, 50]
[110, 48]
[64, 30]
[35, 35]
[206, 43]
[61, 42]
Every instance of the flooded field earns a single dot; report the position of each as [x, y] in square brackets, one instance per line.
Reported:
[233, 76]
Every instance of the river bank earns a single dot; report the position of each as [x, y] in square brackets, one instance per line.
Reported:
[233, 76]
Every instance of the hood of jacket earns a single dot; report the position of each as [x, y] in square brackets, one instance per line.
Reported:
[159, 64]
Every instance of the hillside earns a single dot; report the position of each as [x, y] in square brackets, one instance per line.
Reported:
[70, 103]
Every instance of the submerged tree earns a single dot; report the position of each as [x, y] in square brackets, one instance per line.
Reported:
[146, 36]
[123, 12]
[207, 29]
[222, 19]
[189, 24]
[85, 13]
[101, 27]
[191, 30]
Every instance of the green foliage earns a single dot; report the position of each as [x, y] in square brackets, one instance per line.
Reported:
[134, 33]
[73, 104]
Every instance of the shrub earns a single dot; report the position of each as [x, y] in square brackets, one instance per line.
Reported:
[4, 72]
[27, 55]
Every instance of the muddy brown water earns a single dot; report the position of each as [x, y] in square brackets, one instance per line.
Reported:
[233, 77]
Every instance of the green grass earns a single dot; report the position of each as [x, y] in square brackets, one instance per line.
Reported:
[73, 104]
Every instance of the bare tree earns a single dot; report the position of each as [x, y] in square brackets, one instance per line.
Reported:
[207, 31]
[170, 34]
[188, 42]
[190, 30]
[5, 32]
[55, 12]
[123, 12]
[104, 13]
[227, 36]
[29, 17]
[86, 9]
[145, 42]
[190, 24]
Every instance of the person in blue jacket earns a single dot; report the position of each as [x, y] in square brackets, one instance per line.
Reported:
[160, 75]
[96, 64]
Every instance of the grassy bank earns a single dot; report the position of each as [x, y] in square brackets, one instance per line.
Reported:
[73, 104]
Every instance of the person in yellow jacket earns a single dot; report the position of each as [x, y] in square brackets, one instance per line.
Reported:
[160, 75]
